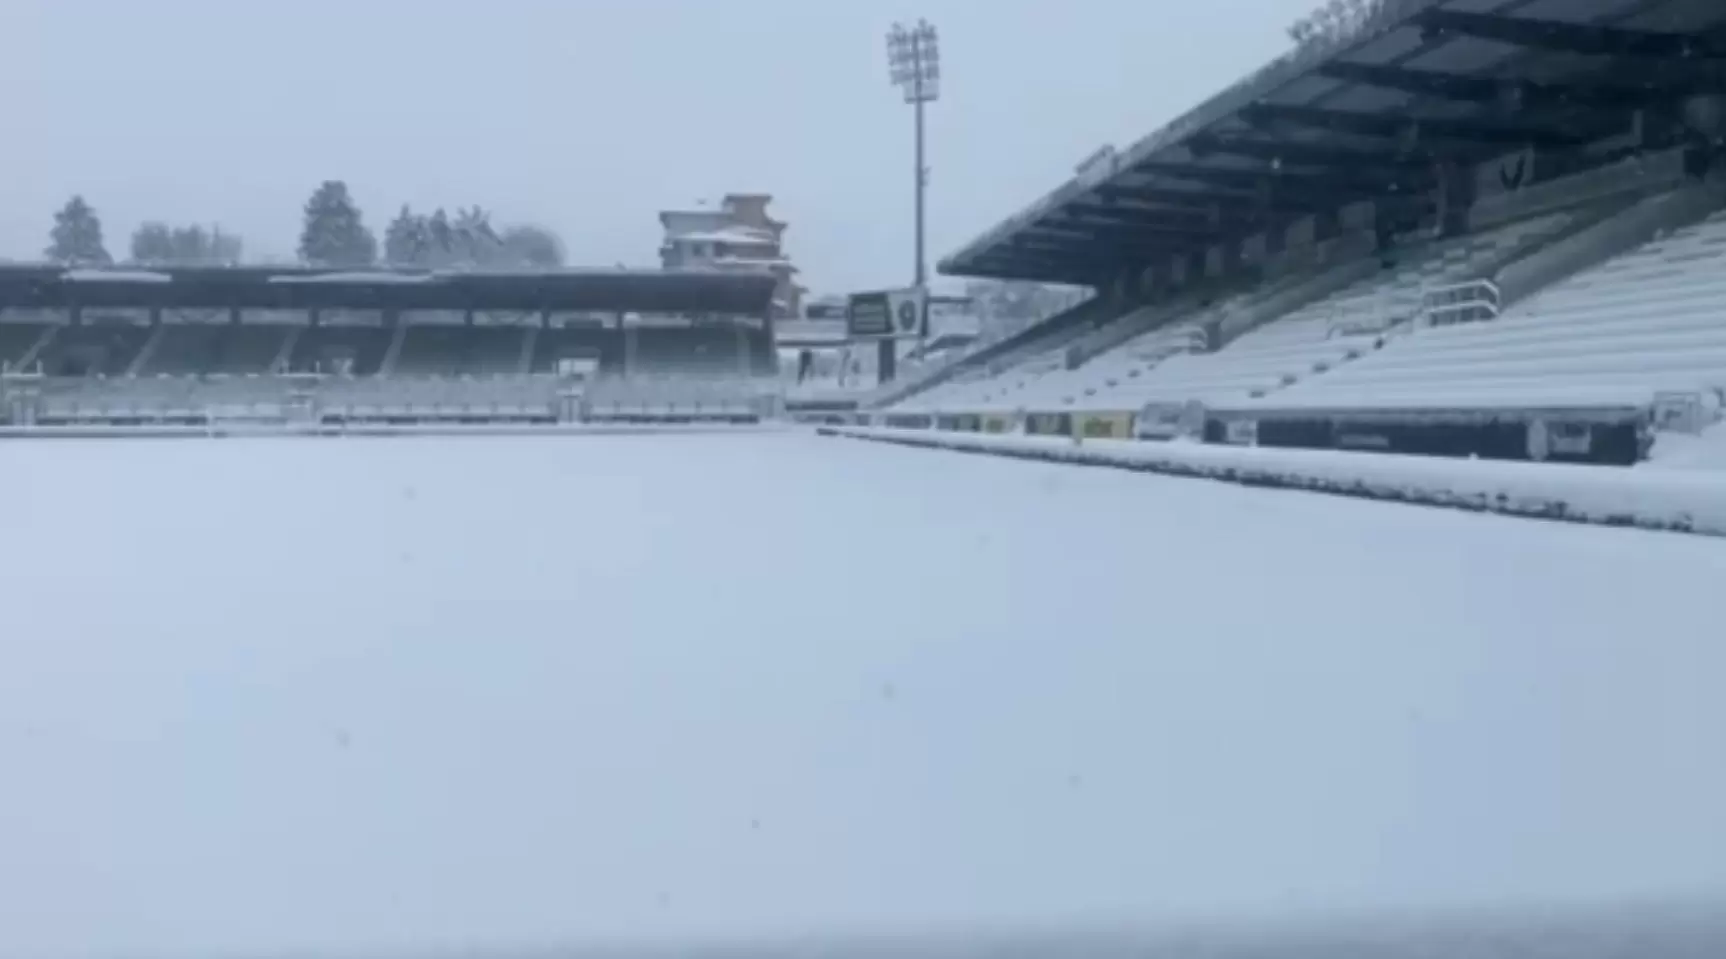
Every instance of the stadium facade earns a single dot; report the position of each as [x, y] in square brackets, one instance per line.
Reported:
[1459, 228]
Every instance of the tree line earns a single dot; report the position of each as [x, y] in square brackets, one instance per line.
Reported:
[333, 233]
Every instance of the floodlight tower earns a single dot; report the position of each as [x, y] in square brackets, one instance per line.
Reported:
[914, 66]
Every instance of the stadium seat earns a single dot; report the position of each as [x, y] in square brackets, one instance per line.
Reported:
[1650, 321]
[1172, 364]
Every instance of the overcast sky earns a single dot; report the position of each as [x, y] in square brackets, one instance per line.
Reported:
[589, 116]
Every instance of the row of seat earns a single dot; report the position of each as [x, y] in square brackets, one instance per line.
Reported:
[247, 396]
[1650, 321]
[1174, 363]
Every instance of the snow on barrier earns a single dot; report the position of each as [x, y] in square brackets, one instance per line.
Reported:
[1679, 501]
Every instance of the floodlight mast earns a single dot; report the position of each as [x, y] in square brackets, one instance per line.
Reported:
[914, 66]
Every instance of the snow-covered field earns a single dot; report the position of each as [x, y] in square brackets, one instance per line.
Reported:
[271, 695]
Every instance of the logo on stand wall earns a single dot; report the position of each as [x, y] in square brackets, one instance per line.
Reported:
[907, 316]
[1511, 176]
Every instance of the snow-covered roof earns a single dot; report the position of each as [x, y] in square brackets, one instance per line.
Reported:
[737, 234]
[753, 261]
[706, 290]
[116, 276]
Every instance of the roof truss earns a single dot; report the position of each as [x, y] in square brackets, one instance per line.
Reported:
[1567, 37]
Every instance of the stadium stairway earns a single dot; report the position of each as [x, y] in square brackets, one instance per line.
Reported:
[19, 342]
[284, 354]
[529, 344]
[393, 352]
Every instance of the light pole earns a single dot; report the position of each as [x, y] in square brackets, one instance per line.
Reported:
[914, 66]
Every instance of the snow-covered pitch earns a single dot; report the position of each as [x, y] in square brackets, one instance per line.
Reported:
[266, 695]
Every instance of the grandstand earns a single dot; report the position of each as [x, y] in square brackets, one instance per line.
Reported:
[1456, 228]
[291, 347]
[1460, 227]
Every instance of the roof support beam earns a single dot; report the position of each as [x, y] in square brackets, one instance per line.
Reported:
[1306, 154]
[1567, 37]
[1021, 271]
[1410, 131]
[1334, 188]
[1077, 254]
[1219, 205]
[1090, 247]
[1169, 216]
[1514, 95]
[1085, 270]
[1178, 233]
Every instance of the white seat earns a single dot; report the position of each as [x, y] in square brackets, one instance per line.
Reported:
[1649, 321]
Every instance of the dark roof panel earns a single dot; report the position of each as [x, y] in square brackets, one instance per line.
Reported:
[1221, 156]
[598, 290]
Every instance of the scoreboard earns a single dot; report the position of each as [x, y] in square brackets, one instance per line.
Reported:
[888, 314]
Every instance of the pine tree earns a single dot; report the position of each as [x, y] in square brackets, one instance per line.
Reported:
[532, 247]
[405, 240]
[226, 249]
[334, 234]
[157, 243]
[191, 245]
[77, 236]
[441, 242]
[152, 244]
[476, 244]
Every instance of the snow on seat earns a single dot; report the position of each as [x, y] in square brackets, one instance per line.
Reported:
[1111, 370]
[1650, 321]
[977, 390]
[1318, 338]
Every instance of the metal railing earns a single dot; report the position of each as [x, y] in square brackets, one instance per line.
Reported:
[28, 398]
[1387, 311]
[1468, 302]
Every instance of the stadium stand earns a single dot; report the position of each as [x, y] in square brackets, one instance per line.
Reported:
[1458, 227]
[1650, 321]
[1173, 364]
[209, 344]
[261, 347]
[1367, 245]
[100, 347]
